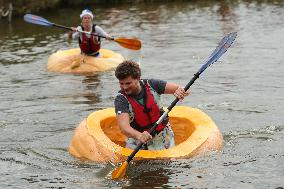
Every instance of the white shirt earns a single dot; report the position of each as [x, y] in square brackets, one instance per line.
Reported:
[98, 30]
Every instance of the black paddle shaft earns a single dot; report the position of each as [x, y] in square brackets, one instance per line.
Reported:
[222, 47]
[153, 129]
[68, 28]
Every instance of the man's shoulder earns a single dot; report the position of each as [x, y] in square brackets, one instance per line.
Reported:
[157, 84]
[120, 97]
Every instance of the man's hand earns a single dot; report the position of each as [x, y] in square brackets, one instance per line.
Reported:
[144, 137]
[180, 93]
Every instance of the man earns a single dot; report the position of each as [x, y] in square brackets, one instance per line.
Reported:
[138, 107]
[89, 44]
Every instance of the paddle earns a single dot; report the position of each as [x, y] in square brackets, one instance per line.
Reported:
[222, 47]
[133, 44]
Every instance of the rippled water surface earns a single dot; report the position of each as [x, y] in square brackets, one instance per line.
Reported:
[242, 93]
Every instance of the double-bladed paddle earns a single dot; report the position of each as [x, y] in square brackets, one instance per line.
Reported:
[133, 44]
[222, 47]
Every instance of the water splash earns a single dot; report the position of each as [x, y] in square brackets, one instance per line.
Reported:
[263, 134]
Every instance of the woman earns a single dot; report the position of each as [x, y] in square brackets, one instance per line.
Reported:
[89, 44]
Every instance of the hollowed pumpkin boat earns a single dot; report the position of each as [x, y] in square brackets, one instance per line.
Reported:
[72, 61]
[98, 138]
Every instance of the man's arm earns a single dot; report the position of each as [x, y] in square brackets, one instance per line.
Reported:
[177, 90]
[123, 123]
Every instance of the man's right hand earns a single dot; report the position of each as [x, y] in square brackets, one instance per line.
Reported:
[144, 137]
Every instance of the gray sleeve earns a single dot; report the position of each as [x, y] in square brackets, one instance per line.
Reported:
[100, 31]
[121, 104]
[158, 85]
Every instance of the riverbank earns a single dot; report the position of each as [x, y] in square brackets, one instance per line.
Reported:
[21, 7]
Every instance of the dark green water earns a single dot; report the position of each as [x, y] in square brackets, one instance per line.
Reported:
[243, 94]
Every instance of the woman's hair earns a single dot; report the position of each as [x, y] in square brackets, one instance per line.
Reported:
[128, 68]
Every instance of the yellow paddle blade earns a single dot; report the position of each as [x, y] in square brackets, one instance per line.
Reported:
[120, 171]
[133, 44]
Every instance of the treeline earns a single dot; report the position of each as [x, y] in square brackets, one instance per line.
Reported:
[21, 7]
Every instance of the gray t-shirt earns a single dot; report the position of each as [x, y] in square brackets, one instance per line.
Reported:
[121, 103]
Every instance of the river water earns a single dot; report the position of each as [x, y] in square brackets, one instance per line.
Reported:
[242, 93]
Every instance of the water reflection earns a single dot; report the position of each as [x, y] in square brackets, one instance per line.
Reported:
[91, 82]
[153, 172]
[92, 95]
[228, 17]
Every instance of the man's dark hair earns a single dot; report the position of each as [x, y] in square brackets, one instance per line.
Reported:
[128, 68]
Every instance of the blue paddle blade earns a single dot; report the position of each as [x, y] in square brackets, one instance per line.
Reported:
[222, 47]
[37, 20]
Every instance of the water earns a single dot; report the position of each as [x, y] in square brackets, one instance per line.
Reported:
[242, 93]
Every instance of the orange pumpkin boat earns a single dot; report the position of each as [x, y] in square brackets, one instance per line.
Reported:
[98, 138]
[72, 61]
